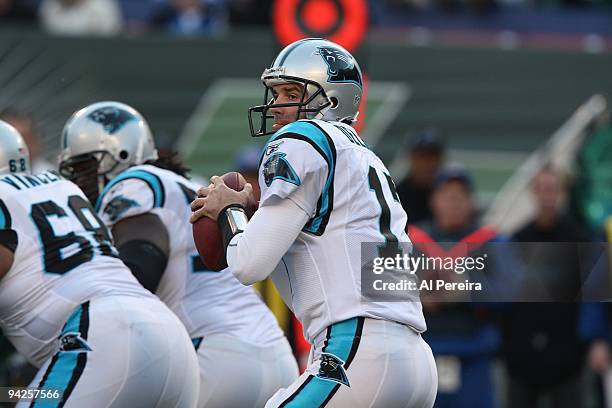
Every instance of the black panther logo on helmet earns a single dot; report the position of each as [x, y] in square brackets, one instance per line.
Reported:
[340, 66]
[111, 118]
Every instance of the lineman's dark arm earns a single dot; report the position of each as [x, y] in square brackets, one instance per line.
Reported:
[144, 246]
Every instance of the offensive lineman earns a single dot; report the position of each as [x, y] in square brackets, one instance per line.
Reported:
[72, 308]
[108, 150]
[323, 193]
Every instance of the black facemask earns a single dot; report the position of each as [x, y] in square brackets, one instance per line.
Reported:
[263, 110]
[83, 171]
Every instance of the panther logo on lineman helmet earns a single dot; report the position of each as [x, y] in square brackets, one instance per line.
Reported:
[111, 118]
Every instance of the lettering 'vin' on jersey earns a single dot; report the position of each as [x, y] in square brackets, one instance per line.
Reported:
[329, 172]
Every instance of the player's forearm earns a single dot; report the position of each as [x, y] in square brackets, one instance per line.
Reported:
[253, 254]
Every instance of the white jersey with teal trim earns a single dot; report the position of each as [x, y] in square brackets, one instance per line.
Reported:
[329, 172]
[64, 257]
[206, 302]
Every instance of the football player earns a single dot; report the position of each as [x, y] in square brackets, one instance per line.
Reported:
[72, 308]
[107, 149]
[323, 194]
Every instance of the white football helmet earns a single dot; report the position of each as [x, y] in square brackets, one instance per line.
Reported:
[14, 153]
[329, 74]
[100, 141]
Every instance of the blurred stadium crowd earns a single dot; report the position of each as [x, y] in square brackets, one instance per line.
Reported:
[214, 17]
[548, 354]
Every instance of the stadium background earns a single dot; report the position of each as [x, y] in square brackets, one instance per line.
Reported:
[495, 106]
[498, 80]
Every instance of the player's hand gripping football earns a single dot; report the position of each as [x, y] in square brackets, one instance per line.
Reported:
[214, 198]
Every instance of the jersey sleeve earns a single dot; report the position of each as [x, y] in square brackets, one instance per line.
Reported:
[299, 164]
[128, 195]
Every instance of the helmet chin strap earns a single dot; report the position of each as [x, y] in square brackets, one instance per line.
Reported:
[321, 113]
[139, 152]
[317, 115]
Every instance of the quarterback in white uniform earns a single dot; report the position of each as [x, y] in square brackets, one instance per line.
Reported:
[244, 355]
[323, 194]
[72, 308]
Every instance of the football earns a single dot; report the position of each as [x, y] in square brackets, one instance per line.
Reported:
[206, 234]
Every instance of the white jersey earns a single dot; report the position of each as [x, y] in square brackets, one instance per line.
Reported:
[327, 170]
[206, 302]
[64, 257]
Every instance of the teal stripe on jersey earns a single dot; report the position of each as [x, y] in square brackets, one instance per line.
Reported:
[314, 394]
[66, 367]
[151, 179]
[74, 322]
[341, 339]
[324, 145]
[5, 217]
[59, 377]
